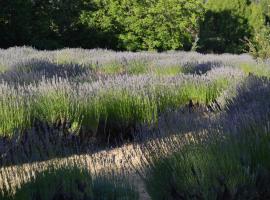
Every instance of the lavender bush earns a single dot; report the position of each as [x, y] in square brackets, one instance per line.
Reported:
[120, 99]
[108, 94]
[225, 159]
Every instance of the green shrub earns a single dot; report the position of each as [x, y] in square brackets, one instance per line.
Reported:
[228, 23]
[259, 46]
[148, 25]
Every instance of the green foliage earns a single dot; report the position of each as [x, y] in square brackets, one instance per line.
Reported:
[135, 25]
[15, 28]
[261, 70]
[168, 70]
[2, 68]
[131, 68]
[49, 25]
[222, 32]
[13, 113]
[130, 25]
[227, 23]
[148, 25]
[259, 46]
[265, 5]
[111, 68]
[117, 107]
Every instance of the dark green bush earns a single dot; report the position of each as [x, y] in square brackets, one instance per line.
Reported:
[223, 31]
[228, 23]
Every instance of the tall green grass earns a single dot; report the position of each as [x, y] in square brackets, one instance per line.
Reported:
[14, 111]
[60, 101]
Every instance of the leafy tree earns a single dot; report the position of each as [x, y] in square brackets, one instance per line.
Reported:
[102, 25]
[212, 25]
[259, 46]
[265, 5]
[45, 24]
[58, 23]
[148, 24]
[15, 22]
[223, 32]
[228, 23]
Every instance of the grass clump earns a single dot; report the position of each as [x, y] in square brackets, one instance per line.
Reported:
[111, 69]
[168, 70]
[133, 67]
[3, 68]
[14, 114]
[260, 70]
[119, 103]
[137, 67]
[55, 106]
[72, 183]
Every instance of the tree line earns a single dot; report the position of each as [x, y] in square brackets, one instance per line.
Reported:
[233, 26]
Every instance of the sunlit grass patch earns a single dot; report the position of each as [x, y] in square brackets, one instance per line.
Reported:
[111, 68]
[137, 67]
[131, 68]
[63, 57]
[3, 68]
[167, 70]
[257, 70]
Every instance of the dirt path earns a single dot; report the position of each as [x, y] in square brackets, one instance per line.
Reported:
[123, 160]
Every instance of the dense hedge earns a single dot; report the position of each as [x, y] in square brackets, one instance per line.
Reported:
[215, 26]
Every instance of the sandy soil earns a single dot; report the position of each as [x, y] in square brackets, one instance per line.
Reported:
[124, 160]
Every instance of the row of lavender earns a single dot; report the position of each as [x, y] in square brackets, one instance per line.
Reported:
[76, 85]
[26, 65]
[17, 55]
[119, 101]
[225, 158]
[95, 93]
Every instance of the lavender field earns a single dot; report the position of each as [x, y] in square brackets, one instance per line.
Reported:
[98, 124]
